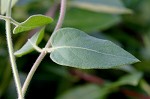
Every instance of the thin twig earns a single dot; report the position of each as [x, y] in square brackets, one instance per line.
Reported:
[42, 55]
[52, 10]
[11, 52]
[9, 18]
[60, 20]
[4, 17]
[134, 94]
[87, 77]
[14, 22]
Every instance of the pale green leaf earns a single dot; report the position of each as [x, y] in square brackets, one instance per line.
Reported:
[106, 6]
[4, 5]
[32, 22]
[72, 47]
[28, 47]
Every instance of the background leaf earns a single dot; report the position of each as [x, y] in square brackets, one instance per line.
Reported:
[32, 22]
[89, 91]
[72, 47]
[106, 6]
[130, 79]
[27, 48]
[92, 91]
[89, 21]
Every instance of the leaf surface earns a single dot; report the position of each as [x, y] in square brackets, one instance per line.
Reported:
[106, 6]
[32, 22]
[72, 47]
[27, 48]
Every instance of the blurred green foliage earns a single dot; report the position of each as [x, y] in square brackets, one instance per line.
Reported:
[51, 81]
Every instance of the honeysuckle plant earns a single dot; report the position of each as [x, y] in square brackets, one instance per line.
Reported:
[66, 46]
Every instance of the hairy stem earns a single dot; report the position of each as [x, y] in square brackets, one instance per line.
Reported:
[42, 55]
[12, 20]
[11, 53]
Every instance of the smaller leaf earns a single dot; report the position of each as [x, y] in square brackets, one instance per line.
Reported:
[27, 48]
[32, 22]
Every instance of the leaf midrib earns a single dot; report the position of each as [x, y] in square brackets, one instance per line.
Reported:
[75, 47]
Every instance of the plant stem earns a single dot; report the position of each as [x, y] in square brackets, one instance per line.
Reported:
[11, 53]
[3, 17]
[42, 55]
[60, 20]
[12, 20]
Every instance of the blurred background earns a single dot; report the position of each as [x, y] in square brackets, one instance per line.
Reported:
[124, 22]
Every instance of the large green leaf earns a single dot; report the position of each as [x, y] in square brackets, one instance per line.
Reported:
[72, 47]
[4, 5]
[28, 47]
[106, 6]
[89, 21]
[32, 22]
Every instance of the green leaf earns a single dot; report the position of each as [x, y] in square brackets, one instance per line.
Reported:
[92, 91]
[89, 21]
[130, 79]
[72, 47]
[32, 22]
[27, 48]
[89, 91]
[4, 5]
[106, 6]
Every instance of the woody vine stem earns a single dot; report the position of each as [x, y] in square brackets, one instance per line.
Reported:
[43, 53]
[22, 90]
[11, 52]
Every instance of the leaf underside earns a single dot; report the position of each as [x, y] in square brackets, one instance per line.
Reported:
[72, 47]
[27, 48]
